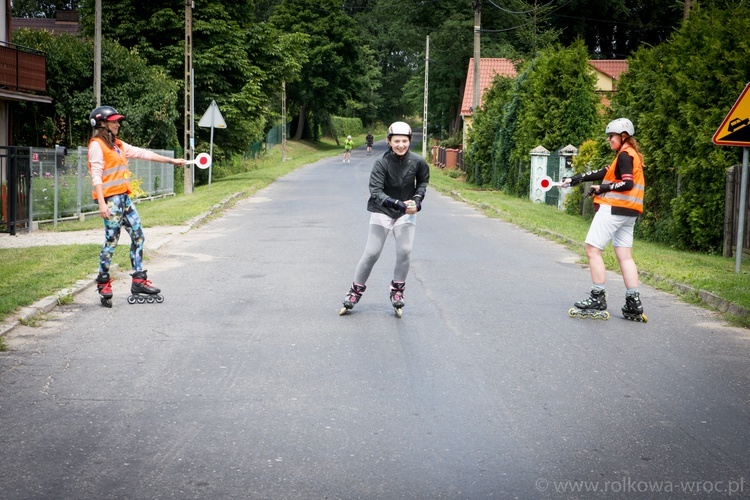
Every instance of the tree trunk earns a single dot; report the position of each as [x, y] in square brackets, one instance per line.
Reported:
[301, 122]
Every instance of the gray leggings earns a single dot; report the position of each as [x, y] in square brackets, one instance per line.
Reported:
[404, 235]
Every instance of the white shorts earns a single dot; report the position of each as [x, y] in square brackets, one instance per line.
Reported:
[383, 220]
[607, 227]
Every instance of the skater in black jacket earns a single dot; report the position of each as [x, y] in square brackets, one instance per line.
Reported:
[398, 183]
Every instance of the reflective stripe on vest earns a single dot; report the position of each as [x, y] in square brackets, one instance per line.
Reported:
[116, 174]
[631, 199]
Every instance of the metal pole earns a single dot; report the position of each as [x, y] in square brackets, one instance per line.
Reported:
[426, 94]
[477, 53]
[211, 152]
[743, 208]
[283, 121]
[188, 102]
[98, 53]
[57, 196]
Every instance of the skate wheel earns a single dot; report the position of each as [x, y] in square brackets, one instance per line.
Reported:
[572, 312]
[644, 318]
[604, 315]
[140, 300]
[150, 299]
[131, 300]
[399, 312]
[343, 311]
[107, 302]
[159, 299]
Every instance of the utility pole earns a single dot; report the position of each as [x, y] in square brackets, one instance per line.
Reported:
[426, 92]
[188, 103]
[477, 52]
[283, 121]
[98, 52]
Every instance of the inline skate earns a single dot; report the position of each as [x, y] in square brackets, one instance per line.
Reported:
[633, 308]
[143, 291]
[594, 306]
[355, 293]
[104, 288]
[397, 296]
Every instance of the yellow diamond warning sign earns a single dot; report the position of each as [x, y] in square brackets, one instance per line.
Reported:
[735, 129]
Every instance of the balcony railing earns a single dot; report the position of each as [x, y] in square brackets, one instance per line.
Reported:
[22, 69]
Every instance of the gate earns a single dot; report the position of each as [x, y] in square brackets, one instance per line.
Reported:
[552, 196]
[15, 176]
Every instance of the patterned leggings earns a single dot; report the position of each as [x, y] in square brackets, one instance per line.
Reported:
[123, 214]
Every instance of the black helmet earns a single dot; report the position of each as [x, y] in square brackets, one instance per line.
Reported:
[104, 113]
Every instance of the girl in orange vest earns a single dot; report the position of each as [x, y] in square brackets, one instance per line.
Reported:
[110, 178]
[619, 202]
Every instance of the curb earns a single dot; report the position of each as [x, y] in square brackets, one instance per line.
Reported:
[30, 314]
[705, 297]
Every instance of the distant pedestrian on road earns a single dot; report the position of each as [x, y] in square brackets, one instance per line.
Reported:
[398, 183]
[369, 140]
[619, 202]
[110, 178]
[348, 146]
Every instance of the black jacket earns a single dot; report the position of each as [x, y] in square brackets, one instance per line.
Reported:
[400, 179]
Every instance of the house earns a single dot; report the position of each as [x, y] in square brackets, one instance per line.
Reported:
[607, 72]
[23, 75]
[65, 21]
[489, 68]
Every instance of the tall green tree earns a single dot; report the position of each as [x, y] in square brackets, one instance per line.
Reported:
[145, 94]
[337, 70]
[677, 94]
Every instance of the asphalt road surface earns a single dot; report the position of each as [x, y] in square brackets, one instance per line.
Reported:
[245, 382]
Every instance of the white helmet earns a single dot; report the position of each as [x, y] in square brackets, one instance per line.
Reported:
[349, 137]
[619, 126]
[399, 128]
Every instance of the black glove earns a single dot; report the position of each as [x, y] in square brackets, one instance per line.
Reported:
[418, 200]
[575, 180]
[397, 204]
[591, 192]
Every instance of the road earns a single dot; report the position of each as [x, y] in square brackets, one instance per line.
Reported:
[245, 382]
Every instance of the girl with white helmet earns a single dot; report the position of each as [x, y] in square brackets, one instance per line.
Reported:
[619, 202]
[398, 183]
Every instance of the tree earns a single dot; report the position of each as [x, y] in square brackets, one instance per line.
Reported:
[677, 95]
[336, 71]
[144, 94]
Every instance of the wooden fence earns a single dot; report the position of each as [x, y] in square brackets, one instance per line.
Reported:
[732, 214]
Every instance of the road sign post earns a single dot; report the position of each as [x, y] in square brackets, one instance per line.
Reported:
[735, 131]
[212, 118]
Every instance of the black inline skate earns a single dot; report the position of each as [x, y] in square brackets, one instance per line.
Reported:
[104, 288]
[633, 308]
[397, 296]
[355, 293]
[143, 291]
[594, 306]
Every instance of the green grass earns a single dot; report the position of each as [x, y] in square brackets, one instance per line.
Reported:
[30, 274]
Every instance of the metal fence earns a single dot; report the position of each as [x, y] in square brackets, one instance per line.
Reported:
[61, 183]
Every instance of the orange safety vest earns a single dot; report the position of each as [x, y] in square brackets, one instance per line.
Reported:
[631, 199]
[116, 174]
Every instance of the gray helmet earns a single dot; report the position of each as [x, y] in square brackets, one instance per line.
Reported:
[104, 114]
[399, 128]
[619, 126]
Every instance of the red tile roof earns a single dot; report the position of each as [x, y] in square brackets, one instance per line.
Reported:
[613, 68]
[39, 23]
[488, 69]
